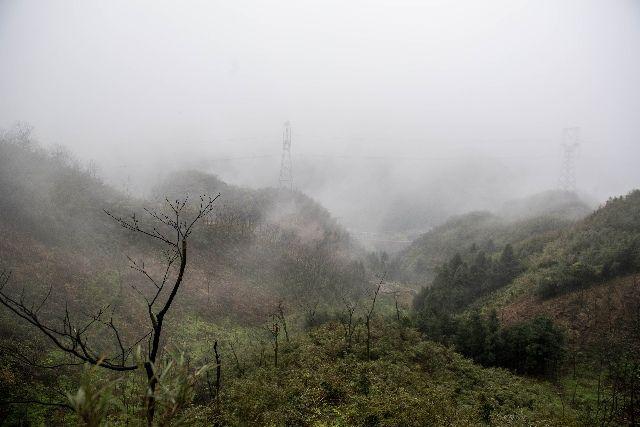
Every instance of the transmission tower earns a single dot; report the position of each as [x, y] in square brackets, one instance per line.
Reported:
[570, 145]
[286, 178]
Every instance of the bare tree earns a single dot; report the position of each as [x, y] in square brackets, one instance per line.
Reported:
[395, 298]
[369, 315]
[348, 321]
[281, 317]
[274, 330]
[214, 389]
[239, 368]
[172, 230]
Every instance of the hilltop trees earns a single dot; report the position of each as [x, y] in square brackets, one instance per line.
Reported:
[603, 246]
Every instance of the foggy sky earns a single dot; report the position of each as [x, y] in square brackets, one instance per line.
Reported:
[388, 89]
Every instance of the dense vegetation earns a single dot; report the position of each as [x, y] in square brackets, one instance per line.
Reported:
[458, 283]
[587, 339]
[253, 254]
[283, 320]
[316, 381]
[529, 348]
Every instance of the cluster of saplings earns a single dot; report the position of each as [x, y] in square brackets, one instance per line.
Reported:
[535, 347]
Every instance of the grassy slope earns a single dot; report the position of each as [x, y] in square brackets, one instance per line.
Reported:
[581, 309]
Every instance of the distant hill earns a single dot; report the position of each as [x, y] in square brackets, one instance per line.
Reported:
[517, 221]
[50, 197]
[555, 256]
[257, 247]
[604, 245]
[559, 204]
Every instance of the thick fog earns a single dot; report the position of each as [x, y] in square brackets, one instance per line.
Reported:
[423, 108]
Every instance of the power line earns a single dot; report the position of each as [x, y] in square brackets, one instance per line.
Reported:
[380, 157]
[420, 158]
[225, 159]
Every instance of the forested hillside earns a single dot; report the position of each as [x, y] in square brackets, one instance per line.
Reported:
[278, 288]
[561, 304]
[534, 217]
[56, 209]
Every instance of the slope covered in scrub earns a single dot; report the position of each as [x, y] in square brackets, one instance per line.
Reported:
[57, 233]
[408, 382]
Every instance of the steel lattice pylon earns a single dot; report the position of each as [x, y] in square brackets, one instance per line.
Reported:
[570, 145]
[286, 176]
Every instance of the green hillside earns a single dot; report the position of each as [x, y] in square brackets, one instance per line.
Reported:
[556, 303]
[408, 382]
[259, 252]
[604, 245]
[54, 210]
[518, 220]
[282, 319]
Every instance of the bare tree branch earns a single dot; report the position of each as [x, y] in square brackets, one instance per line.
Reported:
[16, 354]
[69, 339]
[72, 338]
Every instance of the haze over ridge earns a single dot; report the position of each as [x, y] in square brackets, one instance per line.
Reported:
[395, 97]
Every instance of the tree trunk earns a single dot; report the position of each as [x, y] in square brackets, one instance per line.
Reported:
[152, 382]
[275, 348]
[368, 323]
[218, 370]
